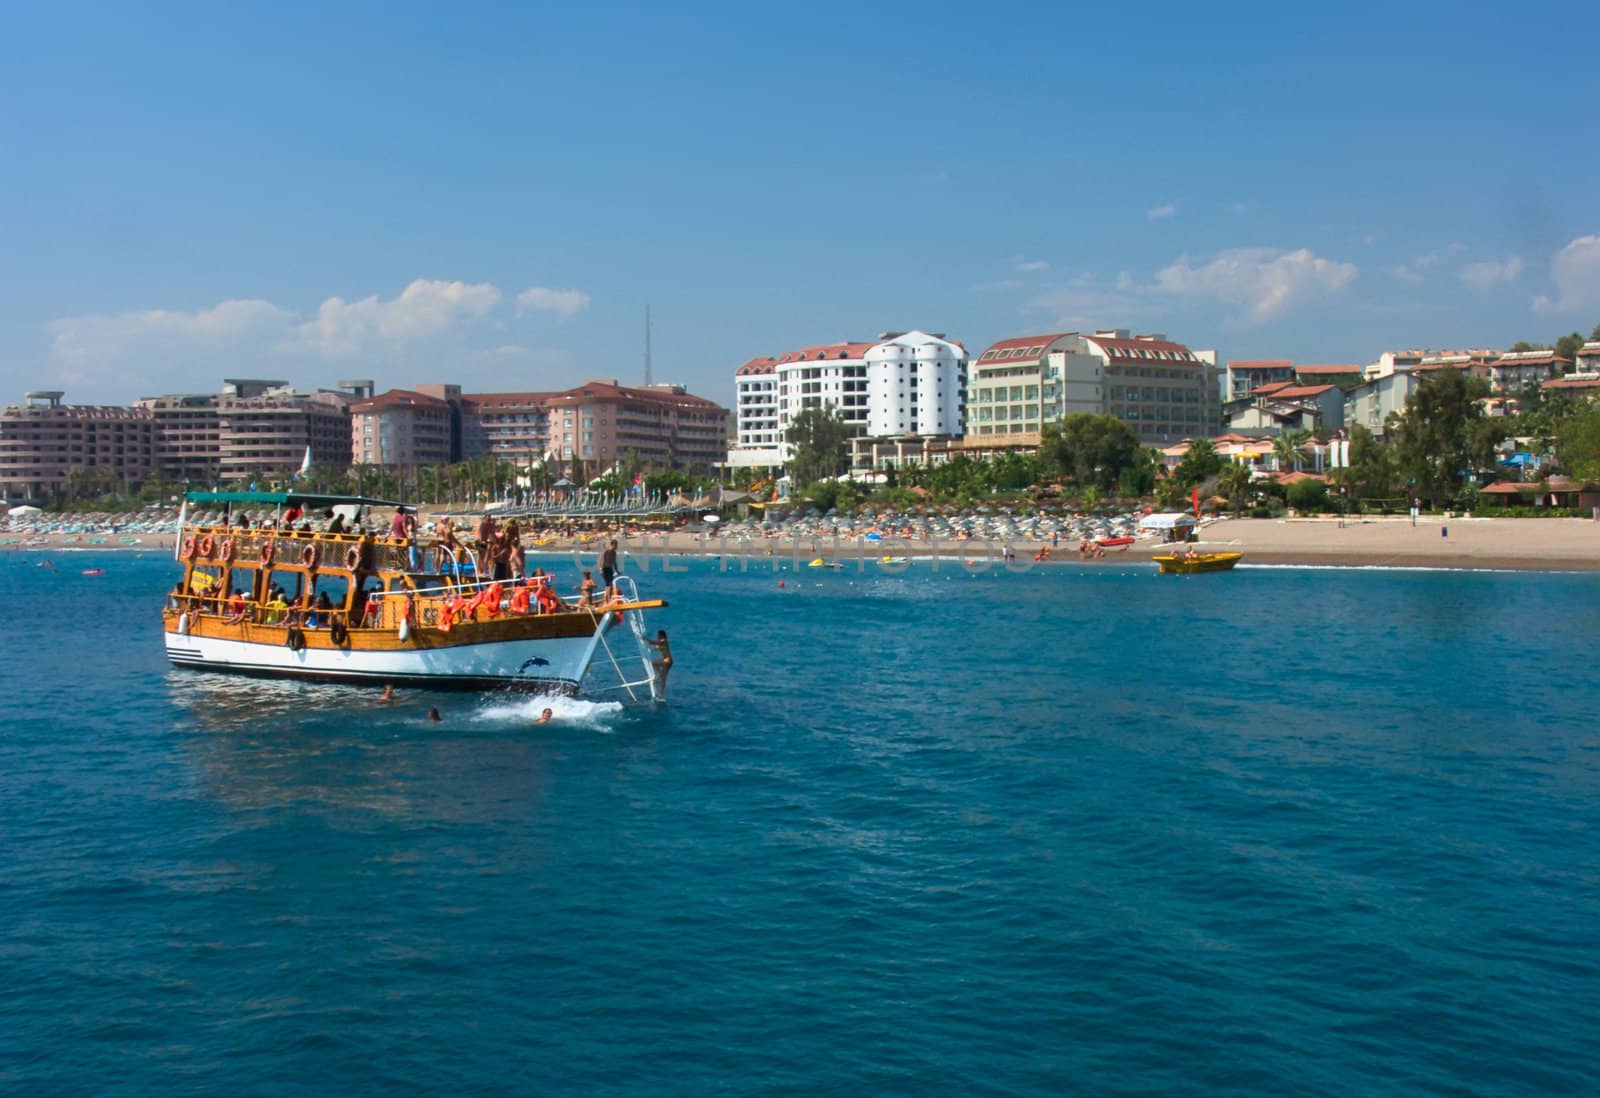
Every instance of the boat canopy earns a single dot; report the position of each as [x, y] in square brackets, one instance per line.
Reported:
[270, 499]
[1170, 520]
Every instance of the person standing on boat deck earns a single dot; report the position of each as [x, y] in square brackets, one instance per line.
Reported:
[608, 568]
[516, 556]
[444, 545]
[410, 534]
[486, 536]
[503, 554]
[663, 662]
[586, 590]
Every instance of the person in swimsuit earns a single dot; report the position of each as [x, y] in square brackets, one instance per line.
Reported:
[663, 662]
[544, 718]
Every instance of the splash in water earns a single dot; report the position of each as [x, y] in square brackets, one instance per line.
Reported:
[569, 712]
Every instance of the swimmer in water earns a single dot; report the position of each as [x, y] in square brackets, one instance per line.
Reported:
[388, 693]
[544, 718]
[433, 715]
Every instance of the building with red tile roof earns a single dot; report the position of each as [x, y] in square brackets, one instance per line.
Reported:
[903, 385]
[1021, 384]
[665, 426]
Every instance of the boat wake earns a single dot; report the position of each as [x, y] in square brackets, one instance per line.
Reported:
[566, 712]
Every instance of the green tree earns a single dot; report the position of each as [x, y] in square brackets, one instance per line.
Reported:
[1090, 450]
[1308, 495]
[1444, 436]
[1578, 443]
[1371, 472]
[1235, 484]
[1200, 463]
[819, 440]
[1568, 346]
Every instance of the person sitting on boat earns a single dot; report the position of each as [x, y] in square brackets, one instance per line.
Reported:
[236, 608]
[586, 590]
[335, 521]
[663, 662]
[277, 607]
[322, 611]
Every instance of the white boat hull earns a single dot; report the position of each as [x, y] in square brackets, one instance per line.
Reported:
[546, 663]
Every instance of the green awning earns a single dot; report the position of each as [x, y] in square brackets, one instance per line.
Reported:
[274, 499]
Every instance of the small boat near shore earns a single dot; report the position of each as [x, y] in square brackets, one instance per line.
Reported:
[283, 599]
[1184, 562]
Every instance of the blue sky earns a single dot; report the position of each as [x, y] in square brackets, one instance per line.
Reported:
[491, 195]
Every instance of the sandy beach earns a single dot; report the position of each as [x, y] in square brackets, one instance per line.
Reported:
[1557, 544]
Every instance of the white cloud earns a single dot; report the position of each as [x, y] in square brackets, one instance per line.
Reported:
[1032, 264]
[1575, 270]
[1157, 213]
[106, 338]
[1489, 272]
[1406, 273]
[427, 307]
[561, 302]
[1264, 281]
[999, 284]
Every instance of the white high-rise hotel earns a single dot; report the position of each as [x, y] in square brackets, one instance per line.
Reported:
[908, 384]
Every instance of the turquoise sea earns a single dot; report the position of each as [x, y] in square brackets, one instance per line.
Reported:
[1077, 830]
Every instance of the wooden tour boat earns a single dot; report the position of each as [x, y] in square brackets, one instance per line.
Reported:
[392, 620]
[1184, 561]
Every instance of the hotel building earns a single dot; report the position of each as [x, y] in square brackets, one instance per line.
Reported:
[897, 396]
[45, 443]
[1161, 389]
[757, 441]
[402, 428]
[666, 427]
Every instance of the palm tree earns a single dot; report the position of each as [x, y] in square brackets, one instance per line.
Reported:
[1287, 451]
[1235, 484]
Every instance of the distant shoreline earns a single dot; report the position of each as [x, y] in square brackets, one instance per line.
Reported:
[1491, 544]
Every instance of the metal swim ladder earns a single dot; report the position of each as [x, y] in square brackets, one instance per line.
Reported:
[624, 586]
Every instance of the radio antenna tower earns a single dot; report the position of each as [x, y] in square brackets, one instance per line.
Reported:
[649, 378]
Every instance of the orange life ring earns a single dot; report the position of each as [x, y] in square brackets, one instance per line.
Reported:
[308, 556]
[352, 557]
[269, 550]
[207, 544]
[188, 548]
[229, 550]
[520, 600]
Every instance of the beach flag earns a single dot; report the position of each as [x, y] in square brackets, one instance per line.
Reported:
[1196, 498]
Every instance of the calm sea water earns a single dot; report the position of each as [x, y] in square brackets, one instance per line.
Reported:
[1079, 830]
